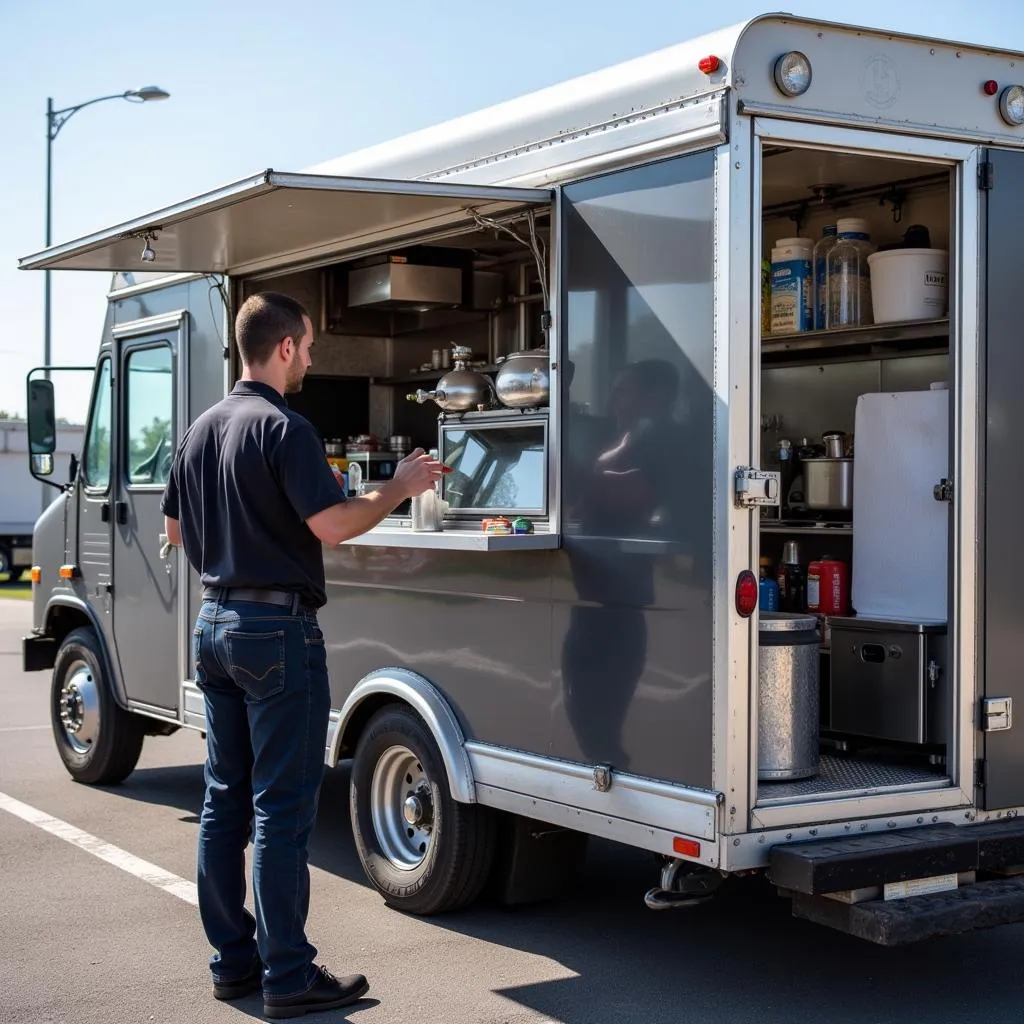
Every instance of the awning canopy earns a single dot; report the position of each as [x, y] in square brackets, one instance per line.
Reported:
[275, 218]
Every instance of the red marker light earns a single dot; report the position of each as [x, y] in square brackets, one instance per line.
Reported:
[685, 847]
[747, 593]
[990, 88]
[709, 65]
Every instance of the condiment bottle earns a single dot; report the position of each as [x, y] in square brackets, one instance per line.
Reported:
[768, 588]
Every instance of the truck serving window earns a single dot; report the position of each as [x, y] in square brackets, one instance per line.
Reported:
[96, 464]
[149, 413]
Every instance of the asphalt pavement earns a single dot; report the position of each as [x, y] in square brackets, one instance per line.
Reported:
[82, 939]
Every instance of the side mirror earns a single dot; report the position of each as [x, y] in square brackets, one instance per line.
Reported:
[42, 423]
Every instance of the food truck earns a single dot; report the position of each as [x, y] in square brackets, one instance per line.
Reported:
[720, 346]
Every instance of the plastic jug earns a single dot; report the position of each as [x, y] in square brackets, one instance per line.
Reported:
[428, 511]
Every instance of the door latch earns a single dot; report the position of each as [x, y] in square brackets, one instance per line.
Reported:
[996, 714]
[165, 550]
[756, 487]
[943, 490]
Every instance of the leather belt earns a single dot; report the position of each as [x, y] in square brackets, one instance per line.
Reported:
[281, 598]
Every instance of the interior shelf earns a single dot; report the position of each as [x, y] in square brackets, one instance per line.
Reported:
[806, 528]
[426, 376]
[908, 337]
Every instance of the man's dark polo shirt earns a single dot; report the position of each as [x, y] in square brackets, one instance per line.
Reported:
[247, 475]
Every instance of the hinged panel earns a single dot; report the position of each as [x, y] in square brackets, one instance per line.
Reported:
[1002, 558]
[275, 218]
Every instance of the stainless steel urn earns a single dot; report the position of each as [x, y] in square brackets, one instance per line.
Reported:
[788, 696]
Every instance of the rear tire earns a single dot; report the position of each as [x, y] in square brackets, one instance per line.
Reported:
[424, 852]
[98, 741]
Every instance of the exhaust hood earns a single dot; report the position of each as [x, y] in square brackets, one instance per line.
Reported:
[400, 285]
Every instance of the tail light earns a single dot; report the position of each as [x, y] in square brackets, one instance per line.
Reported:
[747, 593]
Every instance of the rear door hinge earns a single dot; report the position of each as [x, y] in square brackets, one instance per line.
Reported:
[986, 176]
[756, 487]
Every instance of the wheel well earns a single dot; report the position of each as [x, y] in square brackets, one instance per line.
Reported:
[361, 716]
[62, 619]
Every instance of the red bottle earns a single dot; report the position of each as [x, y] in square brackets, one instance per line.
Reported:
[828, 587]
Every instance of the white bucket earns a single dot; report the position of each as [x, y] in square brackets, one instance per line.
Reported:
[908, 284]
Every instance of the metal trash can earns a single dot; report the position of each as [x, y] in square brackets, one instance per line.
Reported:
[788, 697]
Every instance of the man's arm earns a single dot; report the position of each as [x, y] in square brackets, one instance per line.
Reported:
[349, 519]
[173, 531]
[415, 474]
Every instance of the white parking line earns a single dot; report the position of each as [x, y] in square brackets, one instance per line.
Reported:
[23, 728]
[157, 877]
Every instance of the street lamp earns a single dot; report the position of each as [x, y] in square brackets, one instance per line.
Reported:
[55, 120]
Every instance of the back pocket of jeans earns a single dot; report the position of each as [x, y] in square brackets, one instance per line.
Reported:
[256, 661]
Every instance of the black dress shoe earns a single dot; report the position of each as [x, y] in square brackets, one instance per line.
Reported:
[326, 993]
[242, 987]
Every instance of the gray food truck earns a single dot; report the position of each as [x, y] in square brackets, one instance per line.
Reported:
[737, 313]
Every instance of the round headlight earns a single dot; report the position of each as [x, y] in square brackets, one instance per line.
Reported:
[793, 73]
[1011, 104]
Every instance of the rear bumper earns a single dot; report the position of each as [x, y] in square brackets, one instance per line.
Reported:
[841, 882]
[38, 653]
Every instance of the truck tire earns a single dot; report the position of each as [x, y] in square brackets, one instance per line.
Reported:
[98, 741]
[424, 852]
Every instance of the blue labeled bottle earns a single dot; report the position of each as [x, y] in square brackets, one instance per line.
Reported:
[768, 600]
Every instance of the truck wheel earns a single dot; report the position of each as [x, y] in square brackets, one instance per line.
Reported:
[424, 852]
[98, 741]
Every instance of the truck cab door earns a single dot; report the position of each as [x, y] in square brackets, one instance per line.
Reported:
[1002, 698]
[146, 587]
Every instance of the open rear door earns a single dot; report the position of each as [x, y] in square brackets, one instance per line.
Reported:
[275, 219]
[1003, 551]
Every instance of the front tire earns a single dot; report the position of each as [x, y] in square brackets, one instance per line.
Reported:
[98, 741]
[424, 852]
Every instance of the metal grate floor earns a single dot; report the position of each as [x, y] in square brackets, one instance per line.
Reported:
[850, 777]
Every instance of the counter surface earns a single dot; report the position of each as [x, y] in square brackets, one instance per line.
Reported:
[393, 534]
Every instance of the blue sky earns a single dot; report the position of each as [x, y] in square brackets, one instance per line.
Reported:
[260, 84]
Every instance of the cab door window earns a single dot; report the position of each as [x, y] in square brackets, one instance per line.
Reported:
[96, 457]
[149, 416]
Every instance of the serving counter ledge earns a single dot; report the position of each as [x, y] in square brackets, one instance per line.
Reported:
[395, 534]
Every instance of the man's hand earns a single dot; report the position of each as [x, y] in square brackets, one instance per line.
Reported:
[417, 473]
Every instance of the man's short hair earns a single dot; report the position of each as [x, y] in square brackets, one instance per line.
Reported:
[264, 321]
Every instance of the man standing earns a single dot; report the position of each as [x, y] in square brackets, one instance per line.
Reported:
[252, 498]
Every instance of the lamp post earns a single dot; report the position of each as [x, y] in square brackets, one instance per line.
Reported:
[55, 120]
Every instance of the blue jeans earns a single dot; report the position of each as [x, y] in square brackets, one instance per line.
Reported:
[263, 673]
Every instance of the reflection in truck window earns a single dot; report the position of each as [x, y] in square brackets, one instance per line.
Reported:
[96, 463]
[494, 468]
[149, 410]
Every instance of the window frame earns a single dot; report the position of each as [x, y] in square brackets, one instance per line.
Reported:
[105, 362]
[128, 351]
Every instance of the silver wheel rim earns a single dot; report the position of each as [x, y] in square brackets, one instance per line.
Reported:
[80, 707]
[402, 808]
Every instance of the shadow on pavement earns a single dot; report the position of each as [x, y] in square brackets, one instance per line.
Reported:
[740, 957]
